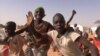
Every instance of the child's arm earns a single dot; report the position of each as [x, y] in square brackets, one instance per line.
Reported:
[92, 48]
[30, 19]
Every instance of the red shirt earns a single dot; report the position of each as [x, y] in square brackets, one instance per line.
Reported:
[96, 42]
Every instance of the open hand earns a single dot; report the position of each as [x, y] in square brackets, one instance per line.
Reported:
[29, 17]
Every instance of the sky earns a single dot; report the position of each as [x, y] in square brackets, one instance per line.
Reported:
[88, 11]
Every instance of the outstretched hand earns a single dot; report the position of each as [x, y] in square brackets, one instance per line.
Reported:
[29, 17]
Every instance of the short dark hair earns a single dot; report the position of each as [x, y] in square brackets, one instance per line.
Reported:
[41, 9]
[59, 15]
[11, 24]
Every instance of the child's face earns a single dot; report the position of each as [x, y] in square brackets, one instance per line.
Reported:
[58, 23]
[39, 14]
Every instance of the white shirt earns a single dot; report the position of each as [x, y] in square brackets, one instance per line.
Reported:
[65, 43]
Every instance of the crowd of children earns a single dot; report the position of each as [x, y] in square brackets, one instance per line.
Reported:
[44, 39]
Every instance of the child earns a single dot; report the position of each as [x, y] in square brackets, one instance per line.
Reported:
[65, 39]
[53, 51]
[40, 26]
[14, 41]
[96, 40]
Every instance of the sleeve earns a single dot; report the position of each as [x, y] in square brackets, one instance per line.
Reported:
[49, 36]
[74, 36]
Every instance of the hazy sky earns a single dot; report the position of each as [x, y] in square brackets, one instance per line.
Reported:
[88, 11]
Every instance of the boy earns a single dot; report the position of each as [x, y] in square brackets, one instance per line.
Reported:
[65, 39]
[96, 40]
[40, 26]
[14, 41]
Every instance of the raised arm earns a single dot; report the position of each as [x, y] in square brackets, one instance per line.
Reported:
[73, 13]
[92, 48]
[30, 18]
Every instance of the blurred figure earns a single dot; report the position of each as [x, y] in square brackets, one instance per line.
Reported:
[65, 40]
[36, 22]
[96, 40]
[14, 41]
